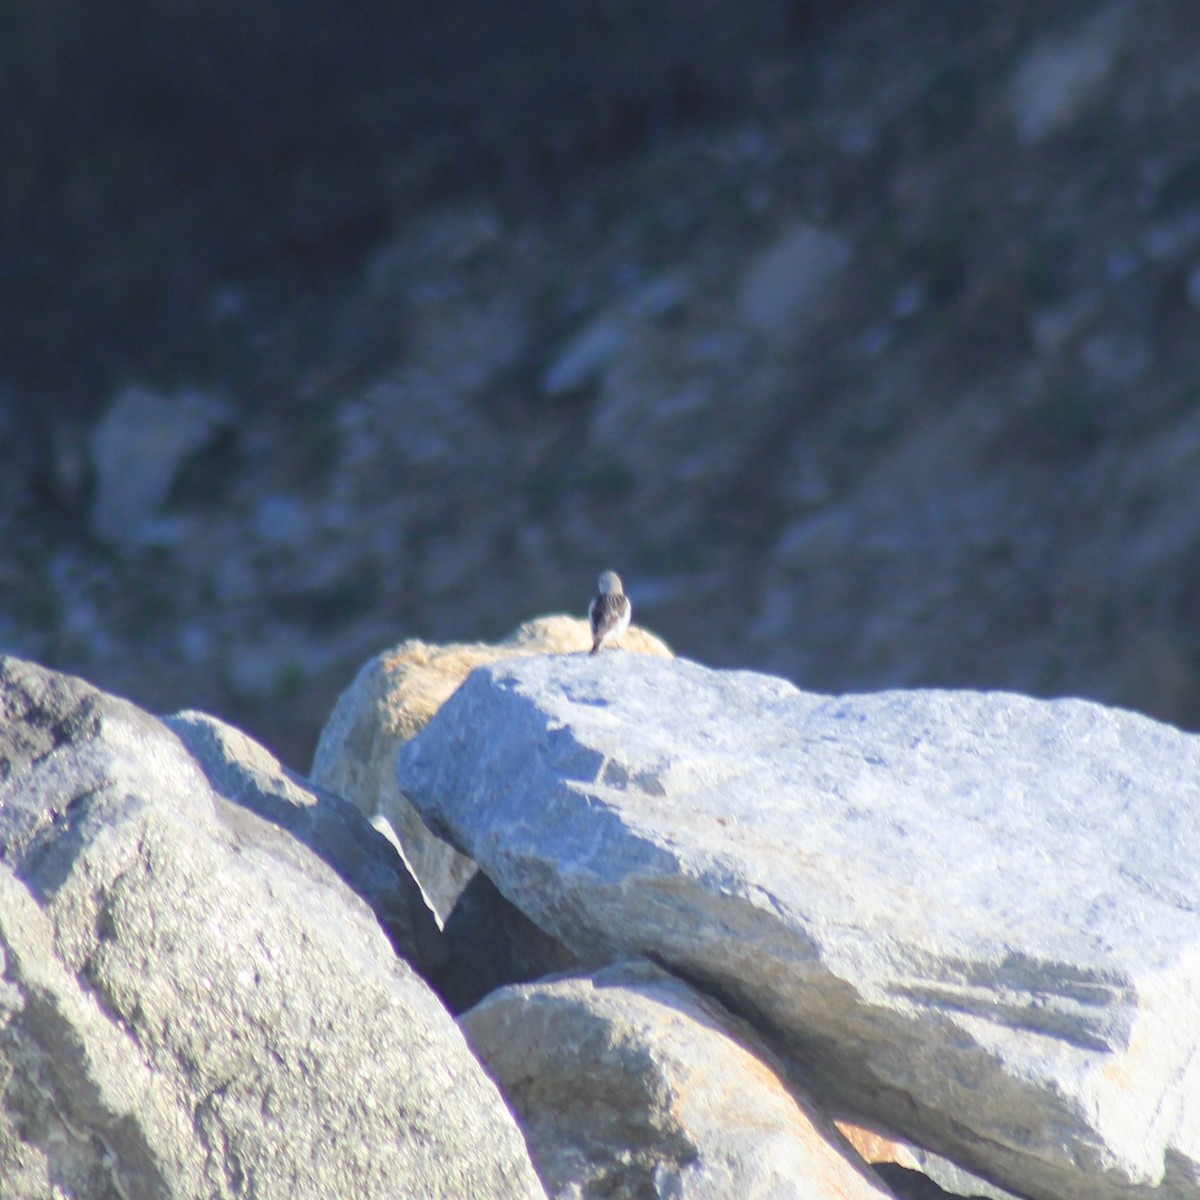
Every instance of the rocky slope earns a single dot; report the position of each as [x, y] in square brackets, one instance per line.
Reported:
[885, 374]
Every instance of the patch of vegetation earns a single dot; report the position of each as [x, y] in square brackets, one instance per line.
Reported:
[947, 107]
[40, 607]
[1180, 189]
[940, 258]
[1065, 423]
[289, 682]
[1044, 271]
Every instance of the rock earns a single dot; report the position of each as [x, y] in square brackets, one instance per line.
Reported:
[874, 1147]
[971, 917]
[630, 1084]
[282, 521]
[137, 449]
[940, 1173]
[245, 773]
[383, 826]
[390, 701]
[193, 1002]
[1061, 76]
[489, 943]
[783, 285]
[908, 1184]
[1116, 359]
[912, 1171]
[584, 358]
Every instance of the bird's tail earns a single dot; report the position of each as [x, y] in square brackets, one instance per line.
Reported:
[595, 647]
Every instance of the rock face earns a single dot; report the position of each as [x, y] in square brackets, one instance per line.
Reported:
[137, 449]
[193, 1002]
[242, 771]
[971, 917]
[1060, 76]
[785, 282]
[681, 1100]
[392, 698]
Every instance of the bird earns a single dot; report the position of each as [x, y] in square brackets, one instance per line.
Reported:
[609, 612]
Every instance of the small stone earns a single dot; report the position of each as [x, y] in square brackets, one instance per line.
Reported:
[659, 298]
[282, 521]
[137, 449]
[908, 299]
[1116, 359]
[1061, 76]
[584, 359]
[782, 288]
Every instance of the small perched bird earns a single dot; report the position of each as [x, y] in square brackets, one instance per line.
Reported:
[609, 612]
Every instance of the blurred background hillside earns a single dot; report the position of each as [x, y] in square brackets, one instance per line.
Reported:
[861, 337]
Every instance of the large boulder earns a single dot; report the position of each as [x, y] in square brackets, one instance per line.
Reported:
[973, 918]
[390, 701]
[628, 1083]
[195, 1002]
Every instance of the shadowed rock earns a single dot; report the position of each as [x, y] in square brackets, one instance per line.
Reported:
[490, 942]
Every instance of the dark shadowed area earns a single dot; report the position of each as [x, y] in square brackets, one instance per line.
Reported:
[862, 339]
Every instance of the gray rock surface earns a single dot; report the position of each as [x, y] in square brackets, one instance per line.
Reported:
[631, 1085]
[242, 771]
[137, 449]
[583, 360]
[392, 697]
[784, 284]
[1060, 76]
[972, 917]
[913, 1170]
[193, 1002]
